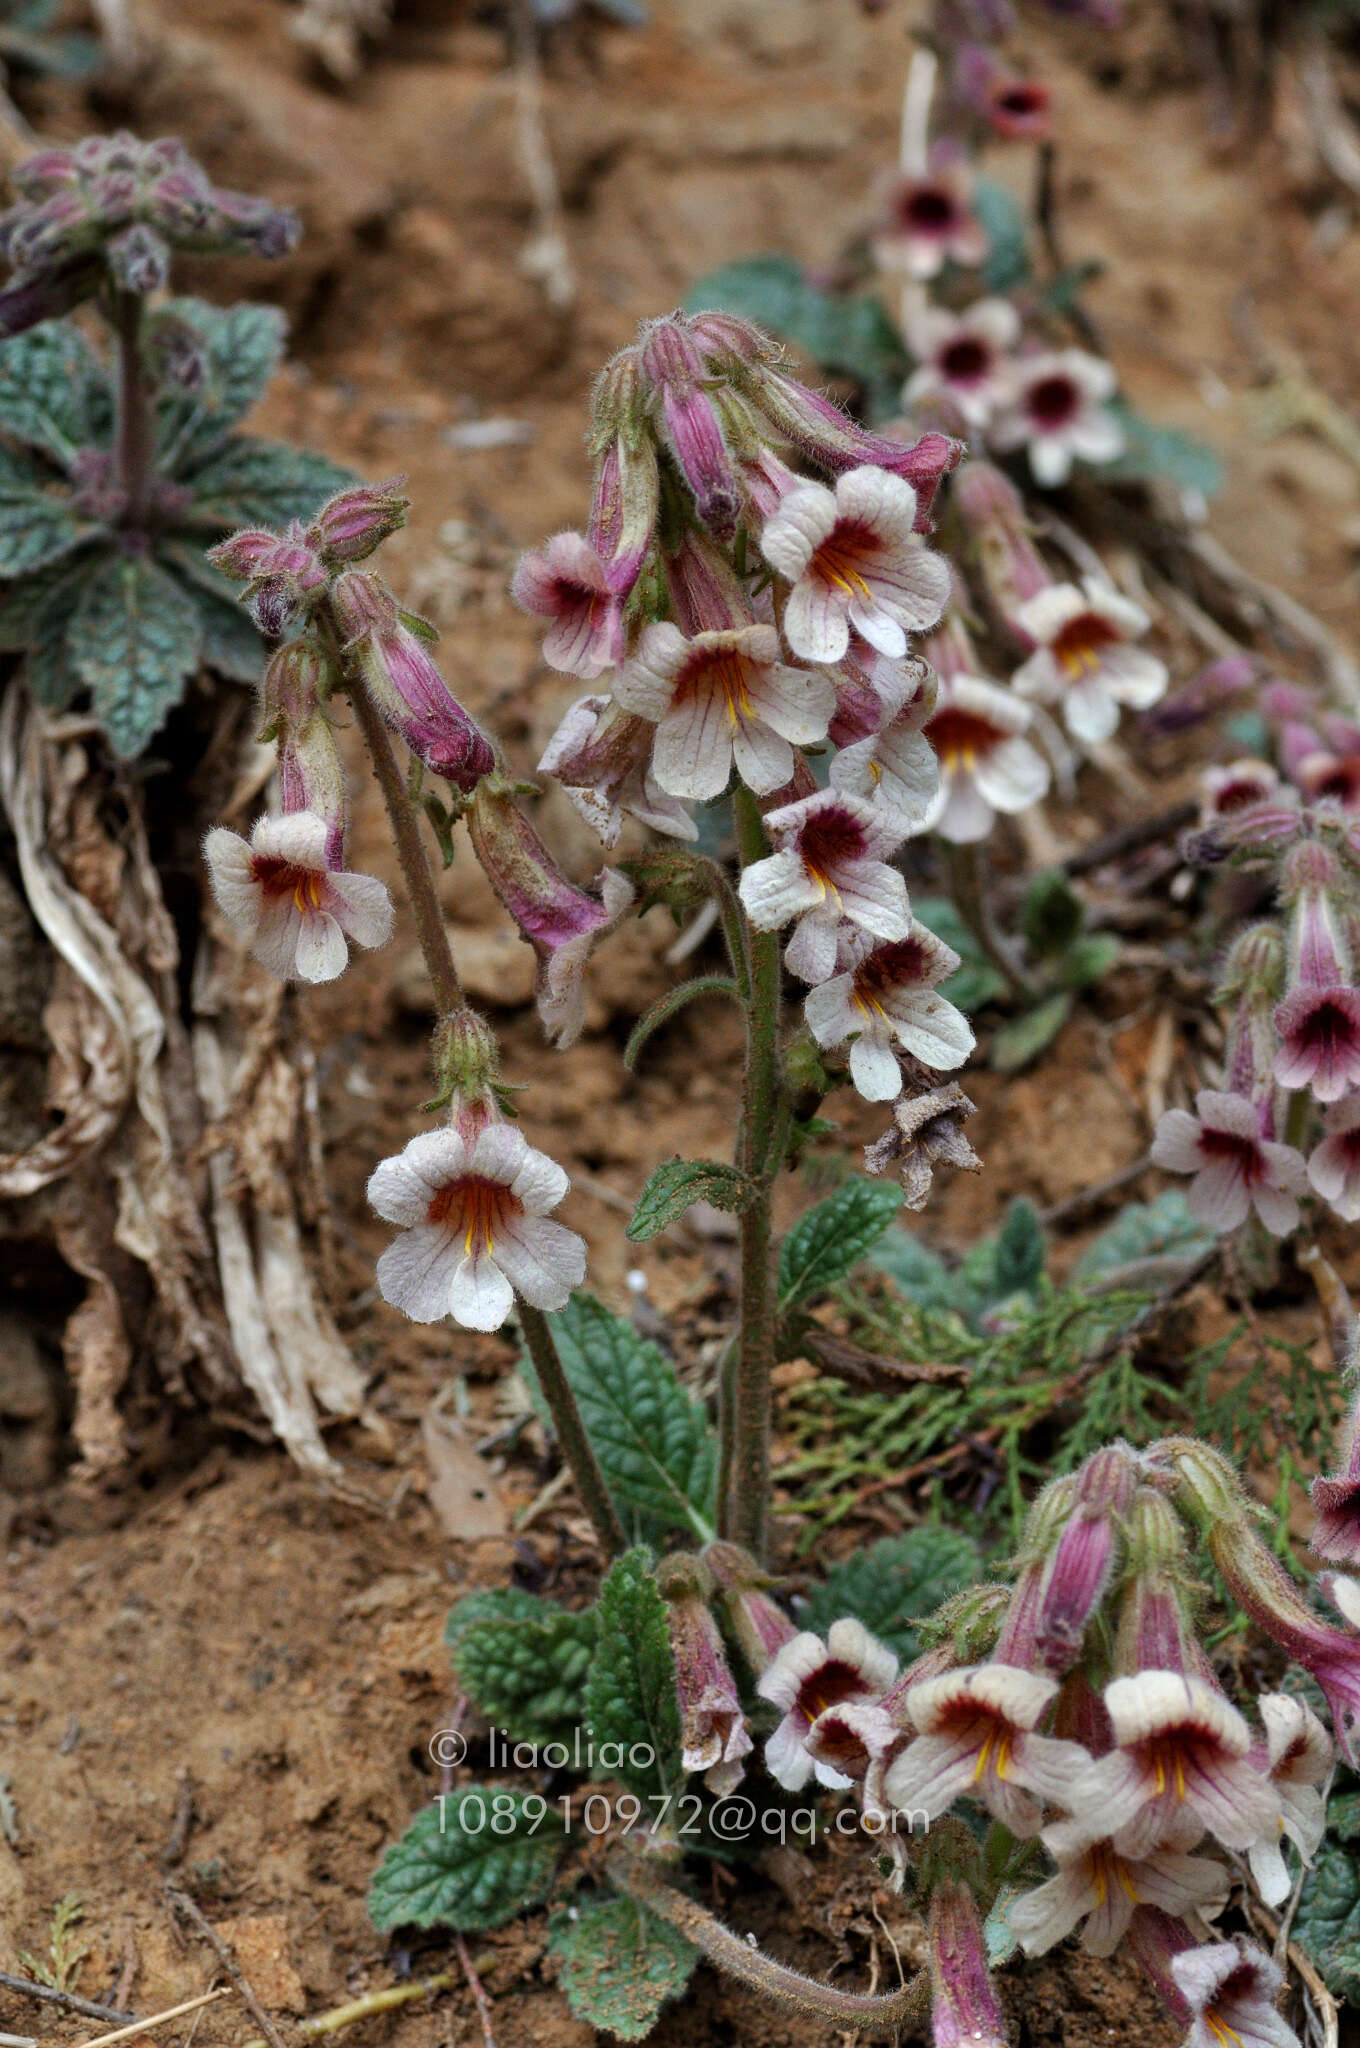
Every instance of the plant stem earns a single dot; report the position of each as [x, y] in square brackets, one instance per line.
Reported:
[415, 867]
[747, 1414]
[968, 887]
[133, 432]
[571, 1431]
[856, 2011]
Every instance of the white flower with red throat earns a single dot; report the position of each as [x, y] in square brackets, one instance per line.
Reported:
[929, 220]
[1334, 1162]
[963, 357]
[1231, 1988]
[1236, 1166]
[474, 1211]
[987, 765]
[1180, 1765]
[1083, 659]
[1298, 1756]
[602, 757]
[829, 865]
[1057, 409]
[565, 582]
[854, 558]
[1095, 1884]
[895, 769]
[1319, 1019]
[806, 1678]
[889, 996]
[975, 1736]
[1235, 787]
[721, 697]
[281, 893]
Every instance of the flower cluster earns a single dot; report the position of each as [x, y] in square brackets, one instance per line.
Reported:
[1077, 1707]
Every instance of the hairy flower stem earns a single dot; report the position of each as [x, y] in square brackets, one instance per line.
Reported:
[968, 887]
[571, 1431]
[854, 2011]
[133, 431]
[449, 998]
[747, 1413]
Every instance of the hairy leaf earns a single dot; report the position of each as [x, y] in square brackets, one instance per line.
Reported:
[1021, 1254]
[1090, 959]
[665, 1007]
[1007, 263]
[134, 640]
[493, 1603]
[893, 1583]
[619, 1964]
[825, 1244]
[36, 525]
[1153, 453]
[1163, 1228]
[849, 336]
[231, 644]
[242, 347]
[631, 1703]
[678, 1183]
[527, 1673]
[655, 1445]
[1052, 914]
[261, 483]
[472, 1860]
[1021, 1040]
[920, 1273]
[1327, 1923]
[54, 392]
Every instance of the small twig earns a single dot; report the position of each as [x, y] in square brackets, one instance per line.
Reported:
[850, 1362]
[546, 256]
[181, 1903]
[395, 1995]
[177, 1840]
[478, 1990]
[1092, 1197]
[158, 2019]
[47, 1994]
[1131, 838]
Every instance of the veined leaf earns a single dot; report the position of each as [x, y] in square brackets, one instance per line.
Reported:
[247, 482]
[1163, 1228]
[825, 1244]
[37, 525]
[893, 1583]
[472, 1860]
[1021, 1040]
[678, 1183]
[631, 1703]
[242, 347]
[526, 1672]
[133, 642]
[619, 1964]
[54, 391]
[847, 335]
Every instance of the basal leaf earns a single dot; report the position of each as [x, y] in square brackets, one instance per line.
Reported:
[492, 1603]
[1163, 1228]
[23, 605]
[655, 1445]
[1090, 959]
[893, 1583]
[849, 336]
[825, 1244]
[134, 640]
[526, 1673]
[678, 1183]
[1051, 913]
[619, 1964]
[921, 1274]
[231, 644]
[974, 983]
[631, 1704]
[1007, 263]
[472, 1860]
[1021, 1253]
[1021, 1040]
[54, 392]
[1152, 454]
[242, 347]
[37, 523]
[260, 483]
[1327, 1922]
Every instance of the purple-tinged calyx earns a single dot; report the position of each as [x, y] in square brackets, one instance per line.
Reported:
[713, 1733]
[675, 368]
[1012, 568]
[283, 575]
[404, 683]
[965, 2010]
[354, 523]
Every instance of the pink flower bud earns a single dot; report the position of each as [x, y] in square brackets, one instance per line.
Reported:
[407, 688]
[713, 1731]
[283, 574]
[759, 1624]
[965, 2011]
[673, 362]
[351, 525]
[1012, 568]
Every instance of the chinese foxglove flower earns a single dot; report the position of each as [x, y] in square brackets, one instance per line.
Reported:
[566, 582]
[1057, 410]
[804, 1679]
[829, 865]
[476, 1228]
[987, 764]
[1083, 660]
[963, 356]
[965, 2011]
[1334, 1162]
[1094, 1883]
[1237, 786]
[713, 1733]
[928, 221]
[1236, 1167]
[975, 1736]
[889, 996]
[1231, 1988]
[854, 558]
[1298, 1758]
[722, 697]
[280, 892]
[871, 690]
[1180, 1765]
[1319, 1019]
[895, 769]
[602, 757]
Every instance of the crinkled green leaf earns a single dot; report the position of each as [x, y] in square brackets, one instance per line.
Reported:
[1051, 913]
[920, 1273]
[472, 1860]
[1162, 454]
[492, 1603]
[1343, 1816]
[893, 1583]
[655, 1444]
[54, 391]
[25, 605]
[134, 640]
[824, 1245]
[974, 983]
[667, 1006]
[37, 522]
[1090, 959]
[261, 483]
[849, 336]
[1007, 263]
[631, 1704]
[1327, 1922]
[526, 1672]
[619, 1964]
[1022, 1039]
[231, 644]
[1021, 1253]
[1163, 1228]
[242, 347]
[676, 1184]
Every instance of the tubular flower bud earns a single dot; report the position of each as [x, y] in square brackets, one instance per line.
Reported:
[675, 367]
[404, 683]
[283, 575]
[354, 523]
[1012, 567]
[965, 2009]
[759, 1624]
[467, 1068]
[713, 1729]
